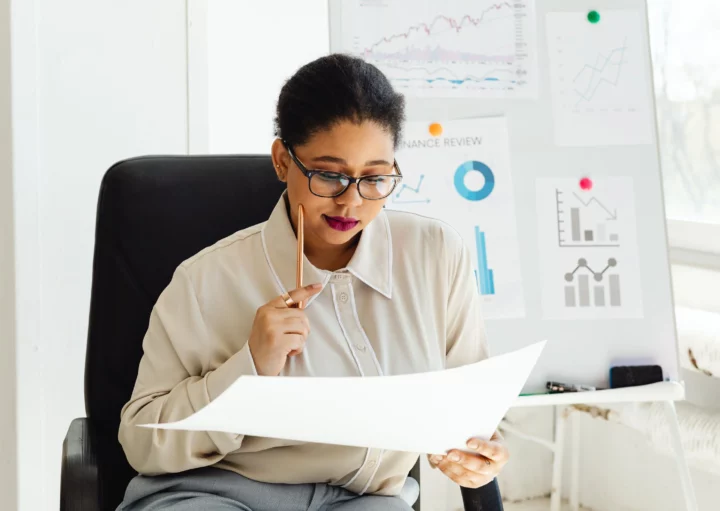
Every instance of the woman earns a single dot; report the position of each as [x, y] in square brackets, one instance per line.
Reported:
[390, 293]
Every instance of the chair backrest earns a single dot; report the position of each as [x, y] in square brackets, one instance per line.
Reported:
[153, 213]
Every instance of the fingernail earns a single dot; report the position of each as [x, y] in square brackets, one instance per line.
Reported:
[454, 457]
[315, 286]
[435, 459]
[473, 444]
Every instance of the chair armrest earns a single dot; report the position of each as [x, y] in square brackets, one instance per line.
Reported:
[79, 480]
[485, 498]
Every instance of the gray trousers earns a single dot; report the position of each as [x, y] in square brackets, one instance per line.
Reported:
[214, 489]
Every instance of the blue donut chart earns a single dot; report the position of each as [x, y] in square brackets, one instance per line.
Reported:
[474, 166]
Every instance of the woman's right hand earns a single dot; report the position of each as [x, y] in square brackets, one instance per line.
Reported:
[279, 331]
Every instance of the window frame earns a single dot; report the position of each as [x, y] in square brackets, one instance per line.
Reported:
[692, 241]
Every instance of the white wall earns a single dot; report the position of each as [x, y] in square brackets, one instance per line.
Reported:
[95, 81]
[8, 476]
[244, 69]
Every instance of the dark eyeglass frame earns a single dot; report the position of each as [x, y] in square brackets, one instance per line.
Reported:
[397, 178]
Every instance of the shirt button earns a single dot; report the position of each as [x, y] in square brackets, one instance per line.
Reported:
[371, 464]
[361, 347]
[343, 297]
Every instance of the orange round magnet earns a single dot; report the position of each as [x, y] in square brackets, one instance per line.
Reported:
[435, 129]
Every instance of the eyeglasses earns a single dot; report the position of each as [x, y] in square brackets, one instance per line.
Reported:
[324, 183]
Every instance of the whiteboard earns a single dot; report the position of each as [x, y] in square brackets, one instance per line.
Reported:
[550, 151]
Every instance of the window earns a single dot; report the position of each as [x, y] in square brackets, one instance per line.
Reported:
[240, 54]
[685, 46]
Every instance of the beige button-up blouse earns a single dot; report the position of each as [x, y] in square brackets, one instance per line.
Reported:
[407, 302]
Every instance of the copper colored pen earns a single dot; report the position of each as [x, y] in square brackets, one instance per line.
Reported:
[300, 251]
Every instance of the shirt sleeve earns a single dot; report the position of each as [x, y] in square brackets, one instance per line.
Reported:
[466, 338]
[172, 384]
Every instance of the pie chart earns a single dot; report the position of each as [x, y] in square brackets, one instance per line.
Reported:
[462, 188]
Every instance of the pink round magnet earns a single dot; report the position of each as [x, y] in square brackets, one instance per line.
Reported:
[586, 183]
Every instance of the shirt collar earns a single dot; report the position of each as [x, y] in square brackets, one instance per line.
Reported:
[371, 262]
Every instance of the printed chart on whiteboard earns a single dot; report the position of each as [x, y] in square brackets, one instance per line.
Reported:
[588, 248]
[459, 172]
[450, 48]
[600, 79]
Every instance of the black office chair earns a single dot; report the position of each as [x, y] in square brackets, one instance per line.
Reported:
[153, 213]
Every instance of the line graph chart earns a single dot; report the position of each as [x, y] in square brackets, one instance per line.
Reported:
[600, 79]
[605, 288]
[411, 194]
[457, 48]
[605, 72]
[441, 25]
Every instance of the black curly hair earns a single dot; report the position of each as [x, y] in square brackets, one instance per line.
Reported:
[336, 88]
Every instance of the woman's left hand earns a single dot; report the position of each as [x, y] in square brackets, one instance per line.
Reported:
[476, 469]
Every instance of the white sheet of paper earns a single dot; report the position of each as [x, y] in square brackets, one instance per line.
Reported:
[600, 78]
[464, 178]
[424, 413]
[589, 249]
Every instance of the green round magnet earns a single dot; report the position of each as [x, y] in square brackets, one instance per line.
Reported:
[593, 16]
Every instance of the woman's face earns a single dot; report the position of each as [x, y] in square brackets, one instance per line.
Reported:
[352, 149]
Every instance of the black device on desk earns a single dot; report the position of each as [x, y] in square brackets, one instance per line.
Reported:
[632, 376]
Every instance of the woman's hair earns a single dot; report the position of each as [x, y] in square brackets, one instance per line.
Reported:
[332, 89]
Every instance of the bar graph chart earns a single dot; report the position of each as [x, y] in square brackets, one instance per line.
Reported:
[483, 275]
[585, 222]
[586, 287]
